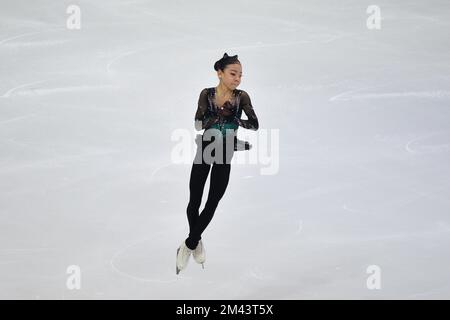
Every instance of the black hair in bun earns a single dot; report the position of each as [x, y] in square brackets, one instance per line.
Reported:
[224, 61]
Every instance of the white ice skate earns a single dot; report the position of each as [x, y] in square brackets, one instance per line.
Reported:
[183, 255]
[199, 254]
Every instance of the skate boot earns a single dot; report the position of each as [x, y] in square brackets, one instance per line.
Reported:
[183, 255]
[199, 254]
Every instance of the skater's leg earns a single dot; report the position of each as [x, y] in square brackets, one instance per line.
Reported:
[220, 175]
[199, 174]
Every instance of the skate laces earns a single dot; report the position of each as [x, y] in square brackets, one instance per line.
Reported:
[199, 248]
[186, 250]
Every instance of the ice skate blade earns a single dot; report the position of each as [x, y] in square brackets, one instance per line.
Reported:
[176, 266]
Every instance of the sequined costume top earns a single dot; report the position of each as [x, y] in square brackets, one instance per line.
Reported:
[207, 116]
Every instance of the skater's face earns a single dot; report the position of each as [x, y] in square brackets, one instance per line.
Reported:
[231, 75]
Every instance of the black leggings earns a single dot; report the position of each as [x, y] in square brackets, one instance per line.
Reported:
[220, 174]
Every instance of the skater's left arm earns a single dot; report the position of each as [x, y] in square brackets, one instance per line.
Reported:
[246, 104]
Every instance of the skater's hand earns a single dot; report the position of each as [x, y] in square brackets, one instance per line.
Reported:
[241, 145]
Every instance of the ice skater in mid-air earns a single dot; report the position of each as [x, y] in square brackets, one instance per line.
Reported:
[219, 112]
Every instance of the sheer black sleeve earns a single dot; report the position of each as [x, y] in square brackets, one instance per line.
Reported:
[202, 120]
[246, 104]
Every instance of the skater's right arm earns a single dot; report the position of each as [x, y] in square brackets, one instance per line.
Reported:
[201, 121]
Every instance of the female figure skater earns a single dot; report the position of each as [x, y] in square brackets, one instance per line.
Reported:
[219, 109]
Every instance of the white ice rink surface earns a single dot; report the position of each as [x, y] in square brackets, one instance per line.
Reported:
[86, 176]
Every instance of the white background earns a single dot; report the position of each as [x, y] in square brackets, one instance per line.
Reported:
[87, 179]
